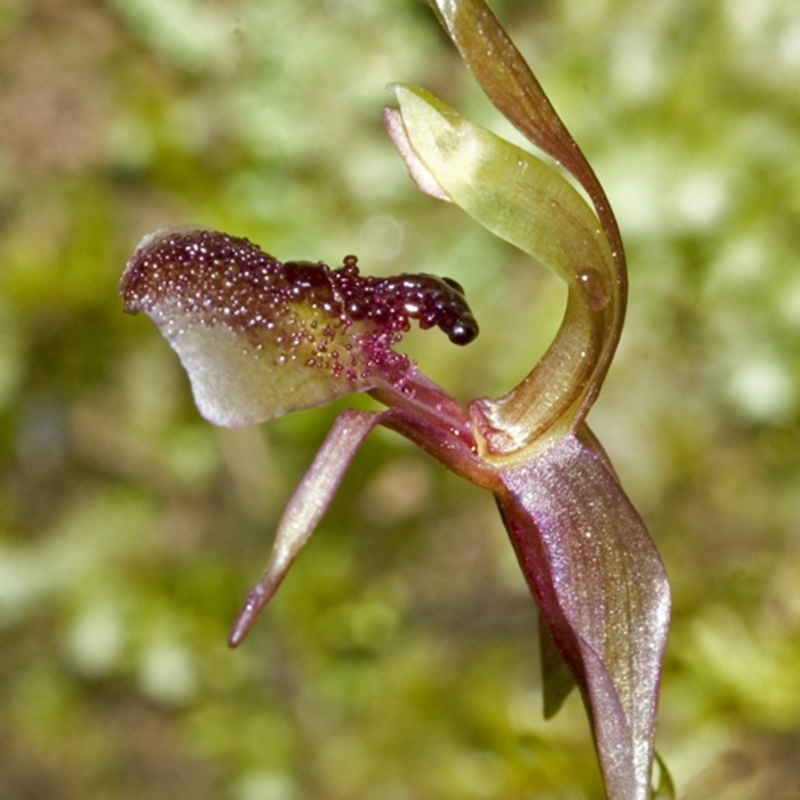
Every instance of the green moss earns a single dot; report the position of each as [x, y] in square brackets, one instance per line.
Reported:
[127, 526]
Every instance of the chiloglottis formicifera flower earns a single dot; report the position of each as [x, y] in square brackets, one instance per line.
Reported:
[260, 338]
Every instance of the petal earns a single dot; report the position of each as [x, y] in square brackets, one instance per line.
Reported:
[508, 190]
[306, 508]
[603, 593]
[418, 172]
[528, 203]
[510, 84]
[438, 429]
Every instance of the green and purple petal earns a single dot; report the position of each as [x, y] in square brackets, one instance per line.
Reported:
[603, 593]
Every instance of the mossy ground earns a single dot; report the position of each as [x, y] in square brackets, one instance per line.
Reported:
[399, 659]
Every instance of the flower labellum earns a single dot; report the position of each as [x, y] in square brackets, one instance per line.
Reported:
[259, 338]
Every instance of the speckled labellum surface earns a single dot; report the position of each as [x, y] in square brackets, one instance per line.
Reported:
[259, 337]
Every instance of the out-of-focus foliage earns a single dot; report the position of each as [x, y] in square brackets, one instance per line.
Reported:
[399, 659]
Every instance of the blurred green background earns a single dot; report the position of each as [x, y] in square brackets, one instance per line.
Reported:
[399, 659]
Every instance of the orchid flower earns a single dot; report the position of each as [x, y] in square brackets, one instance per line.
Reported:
[260, 338]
